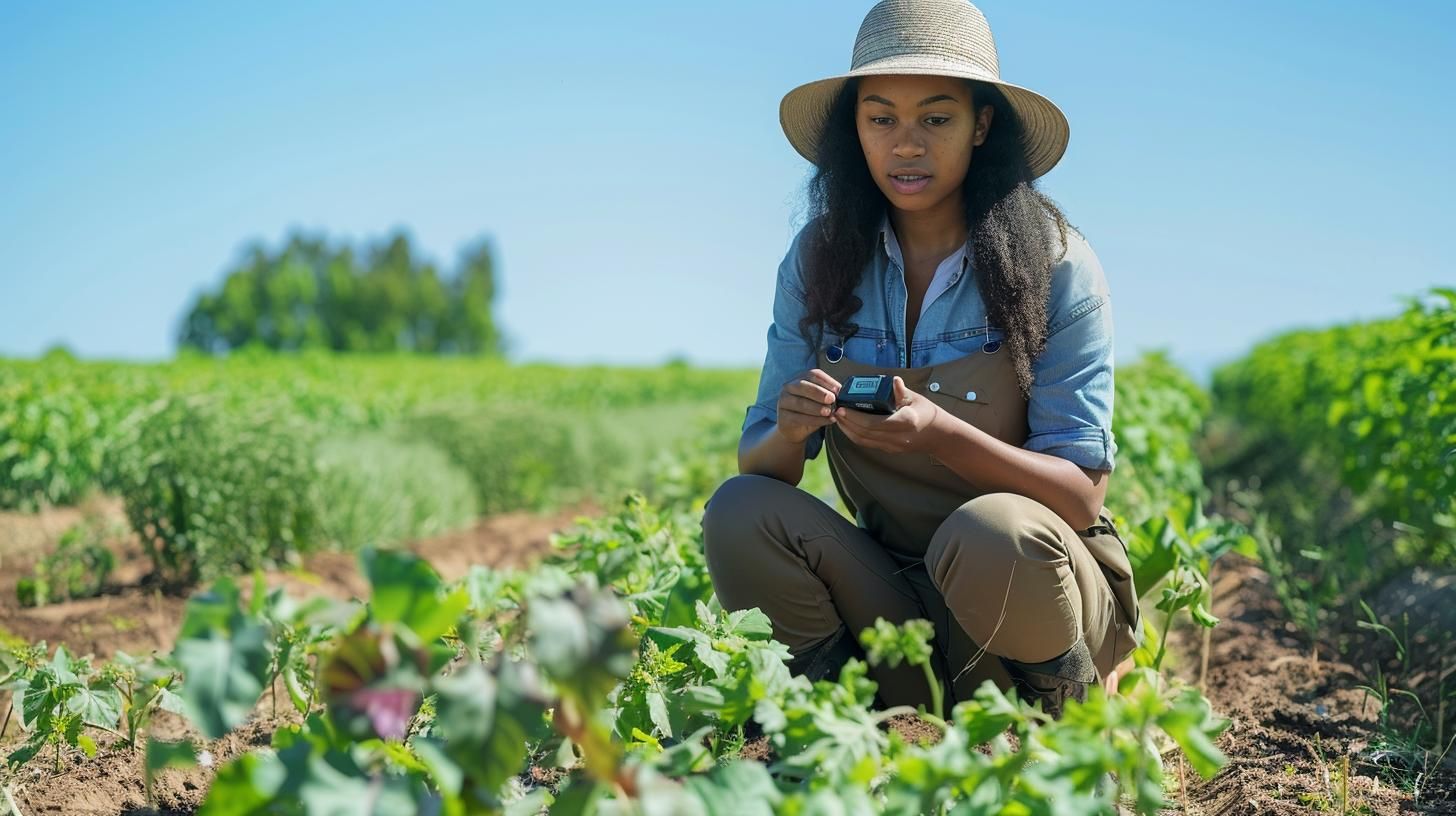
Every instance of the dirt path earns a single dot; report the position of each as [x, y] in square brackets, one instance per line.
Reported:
[1298, 728]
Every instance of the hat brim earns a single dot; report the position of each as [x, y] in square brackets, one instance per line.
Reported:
[803, 110]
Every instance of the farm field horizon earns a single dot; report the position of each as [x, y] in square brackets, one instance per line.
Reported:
[507, 483]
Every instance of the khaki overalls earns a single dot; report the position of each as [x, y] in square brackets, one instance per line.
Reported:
[998, 574]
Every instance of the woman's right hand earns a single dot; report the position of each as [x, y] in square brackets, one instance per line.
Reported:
[806, 404]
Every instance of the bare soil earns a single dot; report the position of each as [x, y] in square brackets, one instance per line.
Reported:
[1301, 729]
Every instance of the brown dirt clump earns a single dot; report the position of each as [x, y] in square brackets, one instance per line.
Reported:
[914, 730]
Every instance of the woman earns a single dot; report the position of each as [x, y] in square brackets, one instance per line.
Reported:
[932, 258]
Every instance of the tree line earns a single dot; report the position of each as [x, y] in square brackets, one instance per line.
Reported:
[314, 294]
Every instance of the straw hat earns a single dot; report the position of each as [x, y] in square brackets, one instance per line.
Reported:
[940, 37]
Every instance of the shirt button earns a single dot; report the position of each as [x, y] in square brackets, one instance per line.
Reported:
[935, 386]
[970, 395]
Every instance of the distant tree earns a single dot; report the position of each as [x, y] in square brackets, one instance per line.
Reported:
[312, 295]
[473, 290]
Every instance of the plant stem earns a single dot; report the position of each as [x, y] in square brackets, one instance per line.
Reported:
[1183, 783]
[312, 687]
[937, 694]
[111, 731]
[1345, 785]
[1440, 706]
[1175, 583]
[11, 710]
[1163, 642]
[1207, 643]
[131, 713]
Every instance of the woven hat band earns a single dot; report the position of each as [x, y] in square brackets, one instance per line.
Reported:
[956, 32]
[924, 64]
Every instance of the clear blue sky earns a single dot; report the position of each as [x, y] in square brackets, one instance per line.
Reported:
[1239, 167]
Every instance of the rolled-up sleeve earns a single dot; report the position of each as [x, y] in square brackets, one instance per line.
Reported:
[1069, 413]
[789, 352]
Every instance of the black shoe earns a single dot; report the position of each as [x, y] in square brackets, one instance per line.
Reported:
[1054, 682]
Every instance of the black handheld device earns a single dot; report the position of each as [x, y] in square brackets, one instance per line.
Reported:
[871, 393]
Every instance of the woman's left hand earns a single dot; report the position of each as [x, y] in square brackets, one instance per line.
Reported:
[905, 431]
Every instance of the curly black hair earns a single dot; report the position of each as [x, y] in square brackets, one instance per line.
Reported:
[1017, 232]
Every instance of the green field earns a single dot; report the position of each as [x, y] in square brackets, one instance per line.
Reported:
[610, 663]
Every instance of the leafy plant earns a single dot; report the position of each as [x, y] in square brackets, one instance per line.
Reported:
[376, 490]
[908, 643]
[60, 700]
[1172, 555]
[77, 568]
[1349, 436]
[145, 686]
[211, 489]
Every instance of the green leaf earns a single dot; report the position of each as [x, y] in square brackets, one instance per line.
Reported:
[1203, 616]
[169, 700]
[214, 612]
[99, 705]
[246, 786]
[222, 679]
[407, 591]
[1152, 550]
[750, 623]
[39, 696]
[162, 754]
[530, 804]
[583, 642]
[1191, 723]
[26, 752]
[580, 797]
[296, 692]
[657, 712]
[432, 754]
[487, 722]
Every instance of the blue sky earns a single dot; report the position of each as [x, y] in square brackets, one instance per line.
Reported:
[1239, 168]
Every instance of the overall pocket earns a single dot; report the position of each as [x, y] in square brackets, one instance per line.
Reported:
[978, 339]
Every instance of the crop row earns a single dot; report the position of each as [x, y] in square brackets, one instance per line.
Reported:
[253, 461]
[1347, 436]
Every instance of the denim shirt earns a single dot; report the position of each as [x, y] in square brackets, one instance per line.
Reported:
[1069, 412]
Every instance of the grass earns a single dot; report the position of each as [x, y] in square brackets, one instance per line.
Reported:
[1411, 744]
